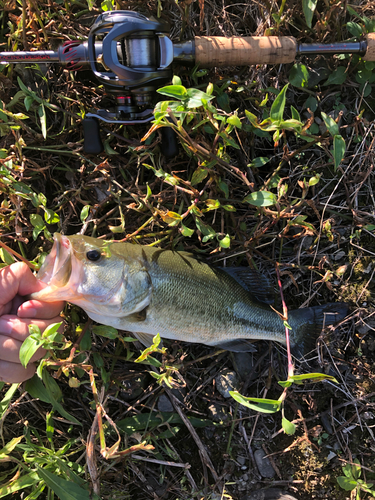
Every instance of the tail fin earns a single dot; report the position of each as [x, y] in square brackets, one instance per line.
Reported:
[307, 324]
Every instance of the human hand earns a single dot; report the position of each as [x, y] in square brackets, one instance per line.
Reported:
[16, 281]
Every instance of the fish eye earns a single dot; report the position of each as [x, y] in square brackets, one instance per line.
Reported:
[93, 255]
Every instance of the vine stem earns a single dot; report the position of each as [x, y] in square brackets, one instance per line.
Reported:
[285, 314]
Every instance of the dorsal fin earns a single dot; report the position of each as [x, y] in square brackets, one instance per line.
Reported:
[258, 285]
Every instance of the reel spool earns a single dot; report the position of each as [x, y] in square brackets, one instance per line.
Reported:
[131, 56]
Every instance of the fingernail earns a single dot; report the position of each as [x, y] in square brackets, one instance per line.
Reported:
[6, 326]
[26, 312]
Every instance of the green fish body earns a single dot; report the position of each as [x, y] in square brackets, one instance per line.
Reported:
[147, 291]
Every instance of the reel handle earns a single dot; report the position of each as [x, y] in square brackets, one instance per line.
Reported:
[169, 143]
[92, 142]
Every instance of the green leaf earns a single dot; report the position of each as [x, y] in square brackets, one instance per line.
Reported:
[257, 404]
[6, 257]
[15, 485]
[295, 115]
[37, 221]
[289, 427]
[261, 198]
[5, 402]
[223, 186]
[205, 229]
[210, 89]
[224, 102]
[347, 470]
[186, 231]
[176, 91]
[143, 421]
[51, 330]
[290, 124]
[356, 469]
[9, 447]
[37, 389]
[29, 347]
[300, 220]
[309, 7]
[252, 118]
[198, 175]
[28, 101]
[311, 377]
[212, 204]
[259, 162]
[337, 77]
[224, 242]
[285, 383]
[229, 208]
[354, 29]
[176, 80]
[196, 98]
[149, 350]
[50, 216]
[43, 120]
[331, 125]
[277, 108]
[65, 490]
[346, 484]
[50, 428]
[299, 75]
[235, 121]
[314, 180]
[339, 148]
[85, 212]
[105, 331]
[311, 103]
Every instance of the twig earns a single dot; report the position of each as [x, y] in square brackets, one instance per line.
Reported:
[18, 255]
[202, 450]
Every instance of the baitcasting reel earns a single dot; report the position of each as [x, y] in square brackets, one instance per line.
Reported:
[131, 56]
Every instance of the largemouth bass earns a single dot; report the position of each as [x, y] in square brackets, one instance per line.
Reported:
[146, 291]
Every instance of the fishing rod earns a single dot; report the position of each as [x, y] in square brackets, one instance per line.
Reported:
[132, 56]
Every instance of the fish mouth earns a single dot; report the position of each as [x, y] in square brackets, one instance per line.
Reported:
[56, 269]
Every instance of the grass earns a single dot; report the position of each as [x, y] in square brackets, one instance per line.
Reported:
[246, 188]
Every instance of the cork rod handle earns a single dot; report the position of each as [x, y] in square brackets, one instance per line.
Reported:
[242, 51]
[370, 52]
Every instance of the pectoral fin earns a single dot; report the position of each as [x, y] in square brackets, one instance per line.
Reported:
[137, 316]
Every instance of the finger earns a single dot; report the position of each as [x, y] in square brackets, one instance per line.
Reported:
[18, 328]
[17, 279]
[40, 310]
[14, 373]
[10, 350]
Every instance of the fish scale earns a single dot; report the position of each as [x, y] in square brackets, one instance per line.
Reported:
[149, 291]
